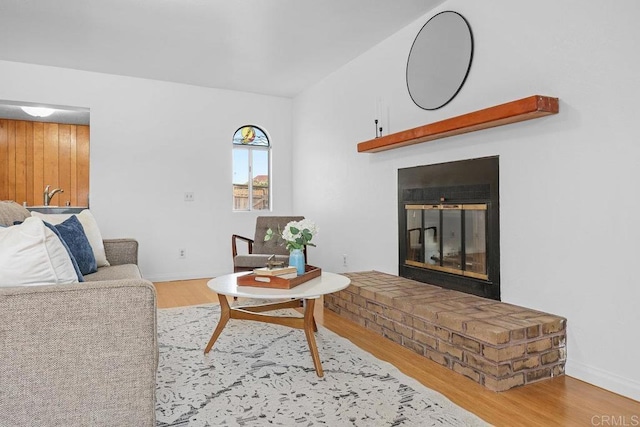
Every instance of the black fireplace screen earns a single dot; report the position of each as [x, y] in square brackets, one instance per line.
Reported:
[449, 225]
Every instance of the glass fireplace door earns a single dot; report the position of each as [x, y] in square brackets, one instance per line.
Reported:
[448, 237]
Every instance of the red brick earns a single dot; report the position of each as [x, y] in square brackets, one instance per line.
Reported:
[533, 331]
[367, 293]
[395, 314]
[486, 366]
[353, 308]
[425, 339]
[403, 304]
[466, 343]
[466, 371]
[482, 314]
[504, 383]
[551, 324]
[393, 336]
[414, 346]
[374, 327]
[405, 331]
[368, 315]
[487, 332]
[474, 301]
[504, 308]
[516, 330]
[384, 297]
[442, 333]
[539, 345]
[559, 341]
[550, 357]
[475, 336]
[538, 374]
[528, 363]
[437, 357]
[425, 312]
[359, 301]
[445, 347]
[557, 370]
[421, 325]
[503, 354]
[376, 308]
[347, 296]
[452, 320]
[384, 322]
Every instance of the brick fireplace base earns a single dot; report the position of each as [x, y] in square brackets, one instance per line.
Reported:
[498, 345]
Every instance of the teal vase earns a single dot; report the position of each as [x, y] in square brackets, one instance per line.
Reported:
[296, 259]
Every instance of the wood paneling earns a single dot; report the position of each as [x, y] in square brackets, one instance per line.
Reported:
[82, 165]
[4, 157]
[35, 154]
[11, 161]
[38, 165]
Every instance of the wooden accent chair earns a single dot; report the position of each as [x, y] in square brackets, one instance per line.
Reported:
[258, 251]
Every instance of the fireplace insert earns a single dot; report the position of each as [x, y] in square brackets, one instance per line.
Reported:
[449, 230]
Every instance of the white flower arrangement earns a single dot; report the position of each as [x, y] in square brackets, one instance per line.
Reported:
[296, 234]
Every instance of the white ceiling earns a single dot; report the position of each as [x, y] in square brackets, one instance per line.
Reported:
[275, 47]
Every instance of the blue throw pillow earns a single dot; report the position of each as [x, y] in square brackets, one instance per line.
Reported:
[73, 259]
[73, 235]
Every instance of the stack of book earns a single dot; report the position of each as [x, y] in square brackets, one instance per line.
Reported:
[281, 272]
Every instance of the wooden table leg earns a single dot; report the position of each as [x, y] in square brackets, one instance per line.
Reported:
[307, 323]
[309, 327]
[225, 314]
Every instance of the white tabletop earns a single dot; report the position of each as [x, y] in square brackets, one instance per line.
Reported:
[325, 284]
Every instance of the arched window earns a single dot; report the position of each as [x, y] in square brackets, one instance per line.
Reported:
[251, 169]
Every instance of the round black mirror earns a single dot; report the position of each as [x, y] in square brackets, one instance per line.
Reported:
[439, 60]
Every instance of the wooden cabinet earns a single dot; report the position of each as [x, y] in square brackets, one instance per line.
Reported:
[36, 154]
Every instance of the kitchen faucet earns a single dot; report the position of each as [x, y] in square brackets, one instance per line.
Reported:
[49, 195]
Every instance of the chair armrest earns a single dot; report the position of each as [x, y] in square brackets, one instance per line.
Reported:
[79, 354]
[234, 248]
[121, 251]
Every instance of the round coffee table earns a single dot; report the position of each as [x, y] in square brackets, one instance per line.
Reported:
[308, 292]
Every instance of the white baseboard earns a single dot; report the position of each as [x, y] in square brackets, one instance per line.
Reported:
[604, 379]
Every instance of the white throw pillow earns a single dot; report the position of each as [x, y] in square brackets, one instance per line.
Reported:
[90, 229]
[31, 254]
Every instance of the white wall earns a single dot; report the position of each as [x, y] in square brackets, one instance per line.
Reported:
[153, 141]
[568, 183]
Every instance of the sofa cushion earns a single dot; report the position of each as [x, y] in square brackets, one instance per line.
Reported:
[115, 272]
[31, 254]
[73, 259]
[90, 227]
[11, 212]
[72, 233]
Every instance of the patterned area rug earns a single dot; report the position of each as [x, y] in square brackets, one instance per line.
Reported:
[261, 374]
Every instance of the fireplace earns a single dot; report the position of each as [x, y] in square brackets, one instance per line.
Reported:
[449, 225]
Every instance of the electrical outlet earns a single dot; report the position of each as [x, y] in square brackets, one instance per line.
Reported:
[189, 197]
[182, 253]
[344, 260]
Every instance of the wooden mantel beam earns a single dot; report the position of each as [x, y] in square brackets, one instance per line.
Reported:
[528, 108]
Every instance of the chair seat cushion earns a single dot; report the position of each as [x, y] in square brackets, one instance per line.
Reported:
[257, 260]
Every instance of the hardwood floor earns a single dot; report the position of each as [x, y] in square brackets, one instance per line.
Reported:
[562, 401]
